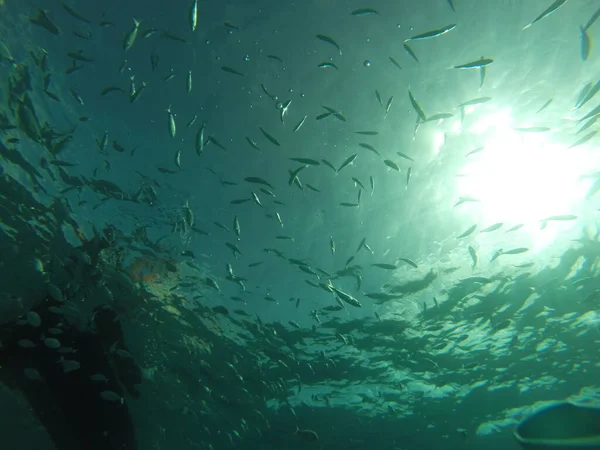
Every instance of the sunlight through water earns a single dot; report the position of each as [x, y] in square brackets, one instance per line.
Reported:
[523, 177]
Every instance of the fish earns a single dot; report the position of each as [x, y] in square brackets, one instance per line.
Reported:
[475, 64]
[369, 147]
[269, 137]
[515, 251]
[391, 164]
[173, 37]
[329, 40]
[258, 180]
[74, 13]
[493, 227]
[345, 297]
[410, 51]
[378, 97]
[395, 63]
[410, 262]
[131, 36]
[252, 143]
[385, 266]
[364, 12]
[467, 232]
[171, 122]
[367, 133]
[199, 140]
[307, 435]
[474, 256]
[236, 226]
[188, 83]
[544, 106]
[327, 65]
[593, 19]
[532, 129]
[193, 15]
[388, 106]
[349, 205]
[432, 34]
[451, 3]
[417, 107]
[586, 43]
[299, 124]
[408, 174]
[372, 183]
[515, 228]
[357, 182]
[233, 71]
[475, 101]
[402, 155]
[43, 20]
[552, 8]
[328, 164]
[584, 139]
[347, 162]
[306, 161]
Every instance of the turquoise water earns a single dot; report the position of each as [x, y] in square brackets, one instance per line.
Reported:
[195, 180]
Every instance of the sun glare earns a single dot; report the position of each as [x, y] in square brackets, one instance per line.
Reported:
[522, 177]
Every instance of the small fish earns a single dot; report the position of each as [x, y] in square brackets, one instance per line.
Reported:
[451, 3]
[515, 228]
[357, 182]
[417, 107]
[328, 164]
[402, 155]
[258, 180]
[552, 8]
[43, 20]
[269, 137]
[252, 143]
[432, 34]
[586, 43]
[372, 182]
[299, 125]
[410, 262]
[329, 40]
[475, 64]
[306, 161]
[364, 12]
[388, 106]
[233, 71]
[474, 256]
[391, 164]
[172, 37]
[131, 36]
[172, 126]
[395, 63]
[188, 84]
[378, 97]
[199, 141]
[347, 162]
[467, 232]
[532, 129]
[584, 139]
[410, 51]
[385, 266]
[475, 101]
[74, 13]
[327, 65]
[369, 147]
[593, 19]
[515, 251]
[408, 174]
[194, 15]
[493, 227]
[236, 226]
[367, 133]
[349, 205]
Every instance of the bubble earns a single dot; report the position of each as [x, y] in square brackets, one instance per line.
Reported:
[367, 63]
[302, 94]
[246, 57]
[279, 105]
[290, 90]
[207, 42]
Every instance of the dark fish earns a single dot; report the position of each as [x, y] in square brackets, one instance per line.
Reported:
[475, 64]
[269, 137]
[74, 13]
[258, 180]
[432, 34]
[233, 71]
[410, 52]
[172, 37]
[367, 133]
[364, 12]
[109, 89]
[276, 58]
[329, 40]
[396, 63]
[41, 19]
[467, 232]
[553, 7]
